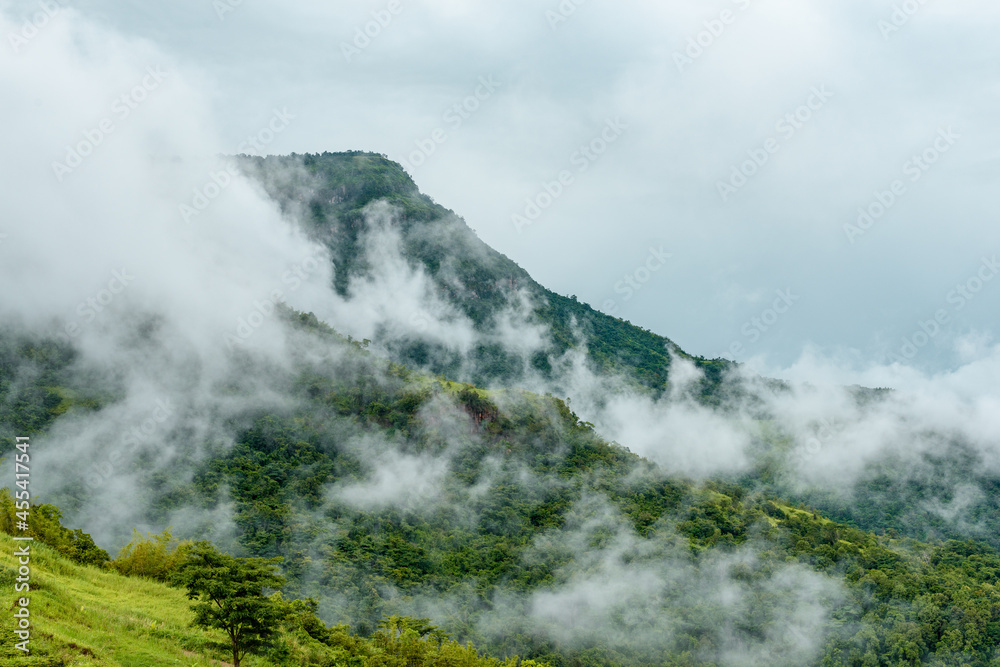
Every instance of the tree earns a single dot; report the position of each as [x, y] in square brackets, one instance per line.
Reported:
[230, 594]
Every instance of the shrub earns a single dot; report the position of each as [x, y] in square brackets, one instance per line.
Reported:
[153, 556]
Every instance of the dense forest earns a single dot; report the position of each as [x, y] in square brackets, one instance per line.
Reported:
[419, 505]
[532, 503]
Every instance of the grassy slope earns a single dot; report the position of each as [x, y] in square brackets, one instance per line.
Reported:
[86, 616]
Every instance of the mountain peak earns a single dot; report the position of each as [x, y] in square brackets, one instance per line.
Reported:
[332, 192]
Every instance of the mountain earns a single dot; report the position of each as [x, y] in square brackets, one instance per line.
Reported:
[332, 191]
[576, 553]
[410, 476]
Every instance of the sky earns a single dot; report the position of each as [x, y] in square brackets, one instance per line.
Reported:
[802, 186]
[761, 180]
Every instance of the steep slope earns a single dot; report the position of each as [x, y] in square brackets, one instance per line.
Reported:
[81, 615]
[331, 191]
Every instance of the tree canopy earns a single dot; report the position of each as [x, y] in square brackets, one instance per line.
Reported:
[230, 594]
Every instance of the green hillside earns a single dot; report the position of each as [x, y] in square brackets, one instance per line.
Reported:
[420, 490]
[86, 615]
[905, 603]
[528, 505]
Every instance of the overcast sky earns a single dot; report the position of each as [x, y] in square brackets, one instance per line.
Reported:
[825, 107]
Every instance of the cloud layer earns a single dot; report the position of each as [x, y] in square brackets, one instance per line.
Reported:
[701, 88]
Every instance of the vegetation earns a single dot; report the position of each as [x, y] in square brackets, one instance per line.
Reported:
[35, 385]
[229, 594]
[152, 556]
[482, 283]
[503, 504]
[88, 615]
[522, 468]
[477, 544]
[46, 527]
[907, 603]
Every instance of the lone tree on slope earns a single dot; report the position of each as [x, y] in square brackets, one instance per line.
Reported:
[230, 594]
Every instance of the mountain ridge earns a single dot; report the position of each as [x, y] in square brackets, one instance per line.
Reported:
[330, 191]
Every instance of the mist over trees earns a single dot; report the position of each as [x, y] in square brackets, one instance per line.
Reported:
[421, 464]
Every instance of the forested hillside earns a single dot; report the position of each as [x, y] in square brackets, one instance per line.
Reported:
[513, 525]
[419, 499]
[90, 615]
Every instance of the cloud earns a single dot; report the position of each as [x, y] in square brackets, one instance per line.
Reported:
[687, 129]
[117, 136]
[649, 597]
[174, 313]
[399, 480]
[397, 297]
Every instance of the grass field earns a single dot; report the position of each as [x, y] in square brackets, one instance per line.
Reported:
[87, 616]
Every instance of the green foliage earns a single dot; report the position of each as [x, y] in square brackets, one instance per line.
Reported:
[518, 467]
[230, 596]
[36, 386]
[908, 603]
[399, 641]
[403, 642]
[93, 616]
[716, 519]
[616, 345]
[45, 525]
[917, 494]
[153, 556]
